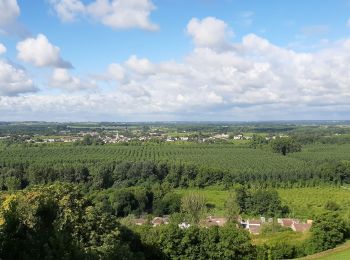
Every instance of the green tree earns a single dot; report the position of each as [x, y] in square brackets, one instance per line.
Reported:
[124, 203]
[57, 222]
[260, 202]
[265, 203]
[328, 230]
[170, 203]
[257, 141]
[228, 242]
[235, 243]
[282, 250]
[209, 239]
[169, 240]
[242, 196]
[194, 204]
[11, 180]
[101, 177]
[285, 145]
[232, 207]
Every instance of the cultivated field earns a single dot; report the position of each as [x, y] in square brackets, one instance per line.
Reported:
[225, 157]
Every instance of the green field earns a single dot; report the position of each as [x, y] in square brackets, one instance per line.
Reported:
[224, 157]
[254, 165]
[343, 255]
[308, 202]
[290, 237]
[319, 153]
[341, 252]
[303, 202]
[215, 196]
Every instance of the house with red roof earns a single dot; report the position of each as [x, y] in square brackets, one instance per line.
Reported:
[253, 226]
[301, 227]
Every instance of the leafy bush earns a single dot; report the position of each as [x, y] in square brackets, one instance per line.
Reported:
[328, 230]
[57, 222]
[260, 202]
[170, 203]
[331, 206]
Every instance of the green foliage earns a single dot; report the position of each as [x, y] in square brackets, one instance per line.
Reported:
[341, 252]
[190, 165]
[234, 244]
[194, 204]
[167, 205]
[232, 207]
[306, 203]
[90, 140]
[278, 242]
[303, 203]
[271, 228]
[11, 179]
[282, 250]
[60, 221]
[242, 196]
[285, 145]
[260, 202]
[328, 230]
[257, 141]
[265, 203]
[226, 242]
[123, 202]
[56, 222]
[331, 206]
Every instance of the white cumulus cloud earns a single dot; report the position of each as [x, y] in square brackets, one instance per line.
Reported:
[2, 49]
[140, 66]
[118, 14]
[209, 32]
[254, 74]
[62, 79]
[41, 53]
[14, 80]
[9, 12]
[253, 80]
[116, 72]
[67, 10]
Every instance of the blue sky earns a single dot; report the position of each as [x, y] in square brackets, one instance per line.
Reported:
[282, 22]
[139, 60]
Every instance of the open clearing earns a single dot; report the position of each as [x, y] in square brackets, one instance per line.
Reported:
[304, 202]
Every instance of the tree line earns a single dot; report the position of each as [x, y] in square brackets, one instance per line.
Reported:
[126, 174]
[60, 221]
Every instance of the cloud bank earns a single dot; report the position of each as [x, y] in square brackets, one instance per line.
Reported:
[220, 79]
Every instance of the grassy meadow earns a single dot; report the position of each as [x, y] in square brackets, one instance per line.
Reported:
[303, 202]
[341, 252]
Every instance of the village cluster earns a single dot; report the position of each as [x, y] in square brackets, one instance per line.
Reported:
[254, 226]
[113, 137]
